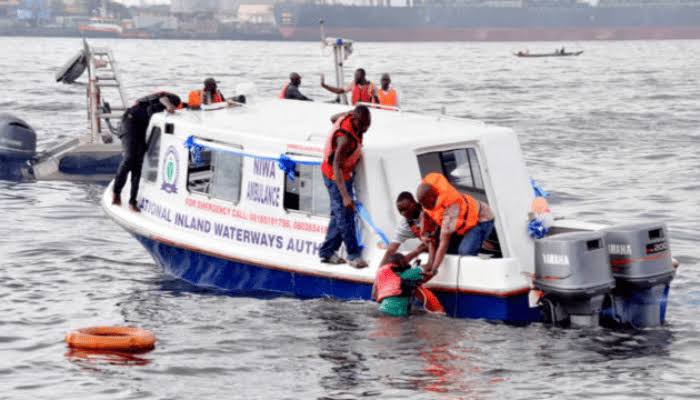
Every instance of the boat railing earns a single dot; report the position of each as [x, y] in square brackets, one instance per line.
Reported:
[378, 106]
[103, 73]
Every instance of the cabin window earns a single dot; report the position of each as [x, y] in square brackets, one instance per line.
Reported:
[199, 172]
[216, 174]
[226, 180]
[150, 162]
[307, 193]
[460, 166]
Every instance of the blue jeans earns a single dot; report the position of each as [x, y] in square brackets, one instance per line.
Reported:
[473, 239]
[342, 227]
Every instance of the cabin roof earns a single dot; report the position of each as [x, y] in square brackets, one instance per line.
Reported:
[299, 122]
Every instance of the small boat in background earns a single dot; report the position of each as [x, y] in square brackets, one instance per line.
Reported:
[92, 157]
[558, 53]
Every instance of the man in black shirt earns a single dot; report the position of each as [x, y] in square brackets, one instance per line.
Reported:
[291, 90]
[133, 136]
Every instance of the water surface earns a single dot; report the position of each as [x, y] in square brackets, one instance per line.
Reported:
[613, 135]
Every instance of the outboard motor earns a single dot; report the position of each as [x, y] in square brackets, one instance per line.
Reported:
[17, 147]
[573, 272]
[640, 259]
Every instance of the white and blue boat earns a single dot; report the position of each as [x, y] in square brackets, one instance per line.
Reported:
[233, 198]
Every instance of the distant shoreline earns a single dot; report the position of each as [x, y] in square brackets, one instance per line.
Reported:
[357, 35]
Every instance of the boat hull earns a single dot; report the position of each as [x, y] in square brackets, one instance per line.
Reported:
[242, 277]
[574, 54]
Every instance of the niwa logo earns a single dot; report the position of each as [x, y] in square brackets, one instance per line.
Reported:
[171, 166]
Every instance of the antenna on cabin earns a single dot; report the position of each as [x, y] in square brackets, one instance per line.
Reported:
[342, 49]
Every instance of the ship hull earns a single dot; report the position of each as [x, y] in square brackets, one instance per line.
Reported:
[429, 34]
[470, 23]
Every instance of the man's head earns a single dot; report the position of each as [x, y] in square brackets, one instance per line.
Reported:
[363, 118]
[360, 75]
[427, 196]
[398, 259]
[408, 206]
[210, 85]
[295, 79]
[386, 81]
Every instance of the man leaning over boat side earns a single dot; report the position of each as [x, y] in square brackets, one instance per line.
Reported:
[409, 228]
[132, 133]
[341, 155]
[464, 221]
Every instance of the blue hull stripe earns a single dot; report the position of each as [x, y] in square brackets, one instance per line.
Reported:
[207, 270]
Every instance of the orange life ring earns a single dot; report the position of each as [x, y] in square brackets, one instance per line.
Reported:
[112, 338]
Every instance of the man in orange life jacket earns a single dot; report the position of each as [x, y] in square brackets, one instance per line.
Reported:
[132, 133]
[363, 91]
[291, 91]
[464, 221]
[409, 228]
[341, 155]
[210, 94]
[386, 94]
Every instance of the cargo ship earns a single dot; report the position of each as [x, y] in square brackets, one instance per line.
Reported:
[496, 20]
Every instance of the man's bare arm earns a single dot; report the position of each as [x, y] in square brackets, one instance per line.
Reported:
[390, 250]
[164, 100]
[330, 88]
[449, 223]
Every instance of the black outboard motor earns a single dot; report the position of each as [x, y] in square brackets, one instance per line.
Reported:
[573, 272]
[640, 259]
[17, 147]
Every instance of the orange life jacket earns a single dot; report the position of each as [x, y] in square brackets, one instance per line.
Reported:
[448, 195]
[283, 92]
[429, 300]
[388, 98]
[387, 282]
[196, 97]
[363, 93]
[342, 127]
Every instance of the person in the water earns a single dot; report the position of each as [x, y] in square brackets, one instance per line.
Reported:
[395, 285]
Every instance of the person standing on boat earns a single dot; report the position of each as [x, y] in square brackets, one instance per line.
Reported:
[363, 91]
[464, 221]
[386, 94]
[341, 155]
[210, 94]
[409, 228]
[290, 91]
[132, 133]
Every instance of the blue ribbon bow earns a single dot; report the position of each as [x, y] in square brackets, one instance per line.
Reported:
[288, 166]
[536, 229]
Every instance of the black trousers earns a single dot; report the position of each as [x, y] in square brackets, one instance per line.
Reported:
[133, 138]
